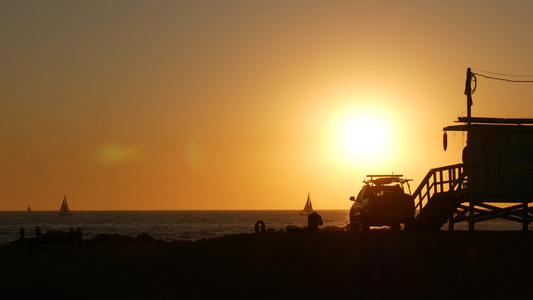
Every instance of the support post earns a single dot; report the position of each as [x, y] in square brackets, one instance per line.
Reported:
[471, 217]
[450, 220]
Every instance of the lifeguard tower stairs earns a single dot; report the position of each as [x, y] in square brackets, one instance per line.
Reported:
[495, 179]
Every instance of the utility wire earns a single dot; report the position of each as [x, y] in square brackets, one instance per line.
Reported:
[502, 79]
[508, 75]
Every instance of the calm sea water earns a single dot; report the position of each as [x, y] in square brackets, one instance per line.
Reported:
[179, 225]
[165, 225]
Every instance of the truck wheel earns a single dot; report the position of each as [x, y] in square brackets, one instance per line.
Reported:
[364, 221]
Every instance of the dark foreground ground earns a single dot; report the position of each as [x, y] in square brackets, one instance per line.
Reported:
[322, 265]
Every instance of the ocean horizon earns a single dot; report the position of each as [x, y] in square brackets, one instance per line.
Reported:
[182, 225]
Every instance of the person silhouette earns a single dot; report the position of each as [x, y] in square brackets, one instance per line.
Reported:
[313, 220]
[22, 234]
[37, 232]
[259, 227]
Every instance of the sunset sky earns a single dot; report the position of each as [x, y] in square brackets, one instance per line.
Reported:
[179, 105]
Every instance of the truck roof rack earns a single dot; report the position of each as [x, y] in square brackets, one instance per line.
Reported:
[386, 176]
[386, 179]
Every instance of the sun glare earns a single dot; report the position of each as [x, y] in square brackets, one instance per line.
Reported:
[362, 136]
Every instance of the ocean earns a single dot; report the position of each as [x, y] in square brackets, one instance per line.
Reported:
[180, 225]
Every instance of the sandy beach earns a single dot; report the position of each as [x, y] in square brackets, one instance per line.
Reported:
[319, 265]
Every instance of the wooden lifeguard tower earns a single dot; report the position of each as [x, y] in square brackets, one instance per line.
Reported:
[495, 179]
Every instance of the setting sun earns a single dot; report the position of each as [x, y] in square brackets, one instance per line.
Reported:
[362, 136]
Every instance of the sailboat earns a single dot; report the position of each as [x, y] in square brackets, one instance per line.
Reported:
[308, 208]
[29, 209]
[64, 211]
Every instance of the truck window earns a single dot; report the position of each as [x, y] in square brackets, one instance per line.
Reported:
[365, 193]
[360, 195]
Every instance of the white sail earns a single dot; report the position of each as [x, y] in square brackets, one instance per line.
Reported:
[308, 208]
[64, 210]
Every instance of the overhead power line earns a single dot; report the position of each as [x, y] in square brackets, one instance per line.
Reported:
[501, 74]
[503, 79]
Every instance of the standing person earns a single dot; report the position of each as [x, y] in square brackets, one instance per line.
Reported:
[22, 234]
[79, 238]
[313, 220]
[259, 227]
[37, 232]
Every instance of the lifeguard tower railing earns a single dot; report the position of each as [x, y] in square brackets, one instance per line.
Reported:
[436, 198]
[442, 197]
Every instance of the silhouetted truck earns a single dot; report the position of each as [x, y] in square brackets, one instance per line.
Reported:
[382, 201]
[498, 158]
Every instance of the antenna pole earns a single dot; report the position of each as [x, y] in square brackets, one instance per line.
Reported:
[468, 93]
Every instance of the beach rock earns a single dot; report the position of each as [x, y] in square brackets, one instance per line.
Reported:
[145, 238]
[111, 239]
[332, 228]
[117, 239]
[54, 237]
[293, 229]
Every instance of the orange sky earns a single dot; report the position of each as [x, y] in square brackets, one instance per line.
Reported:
[240, 104]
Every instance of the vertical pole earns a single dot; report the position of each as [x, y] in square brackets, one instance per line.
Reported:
[450, 219]
[471, 217]
[435, 184]
[451, 177]
[469, 103]
[451, 205]
[468, 93]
